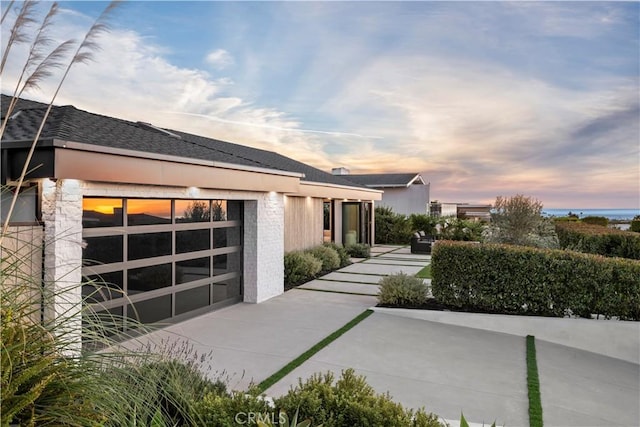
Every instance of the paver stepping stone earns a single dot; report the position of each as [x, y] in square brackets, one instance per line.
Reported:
[405, 250]
[411, 257]
[383, 270]
[351, 277]
[341, 287]
[395, 262]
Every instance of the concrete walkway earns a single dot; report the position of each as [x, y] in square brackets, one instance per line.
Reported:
[444, 362]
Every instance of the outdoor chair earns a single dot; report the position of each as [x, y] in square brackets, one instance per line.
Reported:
[421, 243]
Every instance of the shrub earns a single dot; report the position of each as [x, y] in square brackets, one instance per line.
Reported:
[423, 222]
[300, 267]
[329, 257]
[220, 409]
[596, 220]
[403, 290]
[517, 220]
[452, 228]
[392, 228]
[521, 280]
[599, 240]
[635, 224]
[350, 401]
[171, 386]
[342, 253]
[359, 250]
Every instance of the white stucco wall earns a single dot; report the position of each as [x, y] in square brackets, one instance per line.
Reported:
[407, 200]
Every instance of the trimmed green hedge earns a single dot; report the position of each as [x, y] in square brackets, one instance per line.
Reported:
[599, 240]
[524, 280]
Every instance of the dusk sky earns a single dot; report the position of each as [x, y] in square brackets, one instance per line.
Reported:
[482, 98]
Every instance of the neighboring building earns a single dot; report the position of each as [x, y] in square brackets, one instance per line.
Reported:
[477, 212]
[405, 193]
[180, 223]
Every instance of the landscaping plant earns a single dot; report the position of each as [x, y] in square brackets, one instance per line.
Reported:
[358, 250]
[391, 227]
[596, 239]
[349, 401]
[300, 267]
[342, 253]
[328, 256]
[518, 220]
[522, 280]
[402, 290]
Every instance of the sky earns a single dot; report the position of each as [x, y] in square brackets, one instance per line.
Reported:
[482, 98]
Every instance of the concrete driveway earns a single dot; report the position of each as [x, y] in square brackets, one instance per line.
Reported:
[441, 361]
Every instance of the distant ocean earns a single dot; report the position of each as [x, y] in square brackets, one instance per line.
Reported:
[617, 214]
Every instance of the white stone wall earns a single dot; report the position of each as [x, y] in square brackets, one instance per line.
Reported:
[62, 217]
[263, 229]
[264, 248]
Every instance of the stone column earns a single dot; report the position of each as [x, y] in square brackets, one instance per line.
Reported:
[62, 217]
[264, 247]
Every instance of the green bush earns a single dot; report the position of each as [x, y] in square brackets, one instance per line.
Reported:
[524, 280]
[599, 240]
[342, 253]
[596, 220]
[423, 222]
[359, 250]
[403, 290]
[452, 228]
[392, 228]
[635, 224]
[220, 409]
[329, 257]
[300, 267]
[172, 386]
[350, 401]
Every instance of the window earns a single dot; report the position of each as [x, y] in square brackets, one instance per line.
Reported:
[26, 207]
[148, 211]
[148, 245]
[101, 212]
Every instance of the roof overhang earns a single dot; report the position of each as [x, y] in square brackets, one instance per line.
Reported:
[334, 191]
[71, 160]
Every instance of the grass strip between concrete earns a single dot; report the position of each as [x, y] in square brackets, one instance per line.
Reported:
[264, 385]
[533, 384]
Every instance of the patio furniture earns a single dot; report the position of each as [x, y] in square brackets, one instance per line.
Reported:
[421, 243]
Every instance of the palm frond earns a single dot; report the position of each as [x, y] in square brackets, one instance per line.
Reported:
[19, 33]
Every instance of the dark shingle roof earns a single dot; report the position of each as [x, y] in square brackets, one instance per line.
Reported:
[68, 123]
[383, 179]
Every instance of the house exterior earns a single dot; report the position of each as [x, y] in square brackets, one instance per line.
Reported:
[177, 224]
[405, 193]
[474, 211]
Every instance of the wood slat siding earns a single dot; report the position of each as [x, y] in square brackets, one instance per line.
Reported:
[303, 223]
[21, 264]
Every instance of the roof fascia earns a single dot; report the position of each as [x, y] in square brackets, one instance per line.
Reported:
[336, 191]
[416, 178]
[168, 158]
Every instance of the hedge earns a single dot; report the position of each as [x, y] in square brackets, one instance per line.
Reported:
[599, 240]
[524, 280]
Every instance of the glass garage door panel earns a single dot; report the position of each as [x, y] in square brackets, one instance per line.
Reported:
[192, 299]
